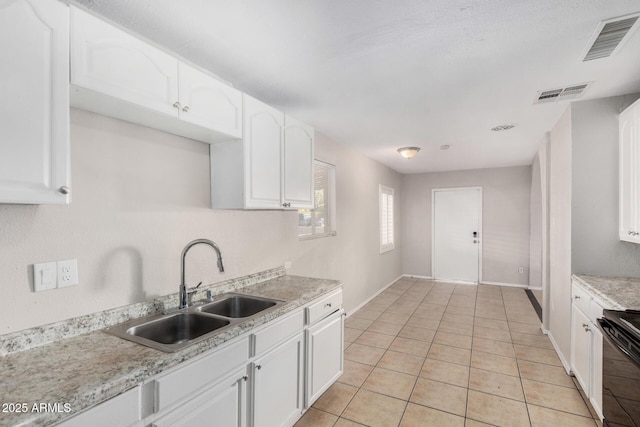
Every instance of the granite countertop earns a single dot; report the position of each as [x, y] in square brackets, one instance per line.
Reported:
[617, 293]
[87, 369]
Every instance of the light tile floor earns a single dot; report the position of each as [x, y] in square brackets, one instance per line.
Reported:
[425, 353]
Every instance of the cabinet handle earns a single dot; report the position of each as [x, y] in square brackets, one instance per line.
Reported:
[64, 190]
[585, 325]
[177, 105]
[186, 109]
[577, 297]
[258, 367]
[245, 378]
[328, 304]
[286, 205]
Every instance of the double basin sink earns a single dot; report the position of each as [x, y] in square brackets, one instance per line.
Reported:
[174, 331]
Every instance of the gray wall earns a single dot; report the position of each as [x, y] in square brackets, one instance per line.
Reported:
[596, 248]
[535, 227]
[505, 214]
[139, 195]
[560, 235]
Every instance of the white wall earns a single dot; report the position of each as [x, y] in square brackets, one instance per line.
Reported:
[560, 234]
[505, 214]
[139, 195]
[595, 245]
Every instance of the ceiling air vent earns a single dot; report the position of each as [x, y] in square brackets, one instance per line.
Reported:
[561, 94]
[609, 36]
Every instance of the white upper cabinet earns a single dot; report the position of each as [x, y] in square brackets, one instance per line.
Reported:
[297, 163]
[271, 168]
[263, 137]
[208, 102]
[630, 174]
[106, 59]
[119, 75]
[34, 113]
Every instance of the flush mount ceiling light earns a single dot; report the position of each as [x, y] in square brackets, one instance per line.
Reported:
[502, 127]
[408, 152]
[445, 147]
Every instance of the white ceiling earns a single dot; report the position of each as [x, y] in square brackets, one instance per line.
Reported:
[381, 74]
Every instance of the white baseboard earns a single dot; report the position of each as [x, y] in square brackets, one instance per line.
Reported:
[512, 285]
[365, 302]
[565, 364]
[416, 276]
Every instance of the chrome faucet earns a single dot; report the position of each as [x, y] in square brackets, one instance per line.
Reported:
[184, 292]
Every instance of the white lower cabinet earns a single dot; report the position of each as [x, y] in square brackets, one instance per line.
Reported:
[224, 404]
[123, 410]
[586, 345]
[277, 385]
[257, 380]
[324, 355]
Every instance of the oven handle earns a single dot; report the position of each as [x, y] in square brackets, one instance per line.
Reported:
[606, 326]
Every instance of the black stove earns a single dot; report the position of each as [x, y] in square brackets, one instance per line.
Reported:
[621, 368]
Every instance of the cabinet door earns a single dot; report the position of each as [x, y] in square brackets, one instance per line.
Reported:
[34, 113]
[208, 102]
[324, 356]
[277, 385]
[630, 174]
[108, 60]
[263, 132]
[581, 348]
[224, 404]
[297, 165]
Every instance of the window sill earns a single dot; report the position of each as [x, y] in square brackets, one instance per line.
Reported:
[386, 249]
[317, 236]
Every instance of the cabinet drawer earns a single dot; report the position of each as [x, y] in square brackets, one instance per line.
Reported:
[184, 381]
[580, 298]
[266, 338]
[324, 307]
[122, 410]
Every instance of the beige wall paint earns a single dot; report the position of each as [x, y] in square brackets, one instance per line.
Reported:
[560, 234]
[139, 195]
[505, 215]
[354, 255]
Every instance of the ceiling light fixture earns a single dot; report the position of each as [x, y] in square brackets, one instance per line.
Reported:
[502, 127]
[445, 147]
[408, 152]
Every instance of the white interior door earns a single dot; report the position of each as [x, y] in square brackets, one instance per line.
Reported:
[457, 215]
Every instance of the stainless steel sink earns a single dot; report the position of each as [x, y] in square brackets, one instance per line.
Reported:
[238, 306]
[174, 331]
[177, 328]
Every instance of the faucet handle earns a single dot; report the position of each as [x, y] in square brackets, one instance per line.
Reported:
[194, 289]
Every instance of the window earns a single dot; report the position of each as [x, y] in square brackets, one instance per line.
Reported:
[386, 218]
[320, 221]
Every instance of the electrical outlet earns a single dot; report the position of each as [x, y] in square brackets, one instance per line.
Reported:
[521, 270]
[44, 276]
[67, 272]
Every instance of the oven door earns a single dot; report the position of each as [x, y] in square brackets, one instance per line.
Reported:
[620, 376]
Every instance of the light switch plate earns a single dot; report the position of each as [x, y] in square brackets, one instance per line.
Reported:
[67, 272]
[44, 276]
